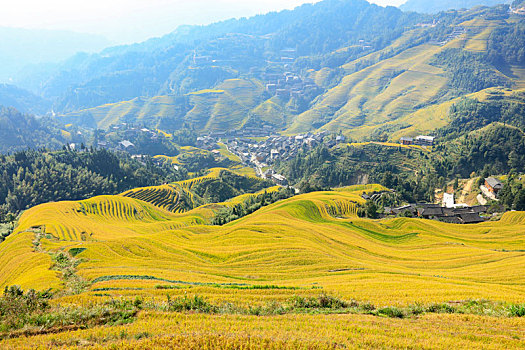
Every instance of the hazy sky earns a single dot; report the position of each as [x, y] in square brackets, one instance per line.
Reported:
[125, 21]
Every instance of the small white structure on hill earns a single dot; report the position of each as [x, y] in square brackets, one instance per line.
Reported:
[424, 140]
[448, 200]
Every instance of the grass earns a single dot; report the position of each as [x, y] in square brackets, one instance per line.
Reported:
[30, 313]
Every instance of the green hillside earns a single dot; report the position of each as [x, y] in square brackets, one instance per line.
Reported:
[218, 185]
[20, 131]
[411, 92]
[224, 107]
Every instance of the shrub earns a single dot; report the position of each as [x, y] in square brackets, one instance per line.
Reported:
[391, 311]
[517, 310]
[441, 308]
[197, 303]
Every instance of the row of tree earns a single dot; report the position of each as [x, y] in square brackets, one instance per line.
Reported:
[252, 204]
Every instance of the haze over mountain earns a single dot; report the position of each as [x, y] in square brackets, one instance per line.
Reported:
[22, 47]
[130, 21]
[435, 6]
[336, 65]
[160, 66]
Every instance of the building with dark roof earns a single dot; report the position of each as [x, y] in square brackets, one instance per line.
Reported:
[470, 218]
[493, 185]
[430, 212]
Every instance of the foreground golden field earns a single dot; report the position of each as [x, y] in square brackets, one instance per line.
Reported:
[198, 331]
[307, 246]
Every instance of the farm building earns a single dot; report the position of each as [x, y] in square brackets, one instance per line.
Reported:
[455, 215]
[493, 185]
[126, 145]
[406, 141]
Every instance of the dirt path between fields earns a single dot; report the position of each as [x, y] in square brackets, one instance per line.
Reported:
[466, 190]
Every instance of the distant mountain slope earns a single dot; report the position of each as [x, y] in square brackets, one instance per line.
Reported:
[434, 6]
[22, 47]
[349, 74]
[23, 100]
[229, 49]
[225, 107]
[366, 91]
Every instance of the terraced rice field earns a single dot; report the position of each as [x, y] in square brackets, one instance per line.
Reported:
[165, 196]
[307, 245]
[178, 197]
[379, 94]
[306, 237]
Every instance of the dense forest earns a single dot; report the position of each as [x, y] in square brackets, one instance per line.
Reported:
[29, 178]
[507, 44]
[252, 204]
[405, 170]
[497, 149]
[470, 114]
[468, 71]
[512, 196]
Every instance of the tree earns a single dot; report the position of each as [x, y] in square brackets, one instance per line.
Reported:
[371, 209]
[519, 200]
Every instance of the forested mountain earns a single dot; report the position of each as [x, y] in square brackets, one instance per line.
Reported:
[434, 6]
[369, 72]
[160, 66]
[337, 65]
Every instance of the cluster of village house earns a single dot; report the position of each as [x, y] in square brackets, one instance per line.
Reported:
[458, 31]
[261, 130]
[275, 147]
[263, 154]
[288, 85]
[448, 212]
[127, 131]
